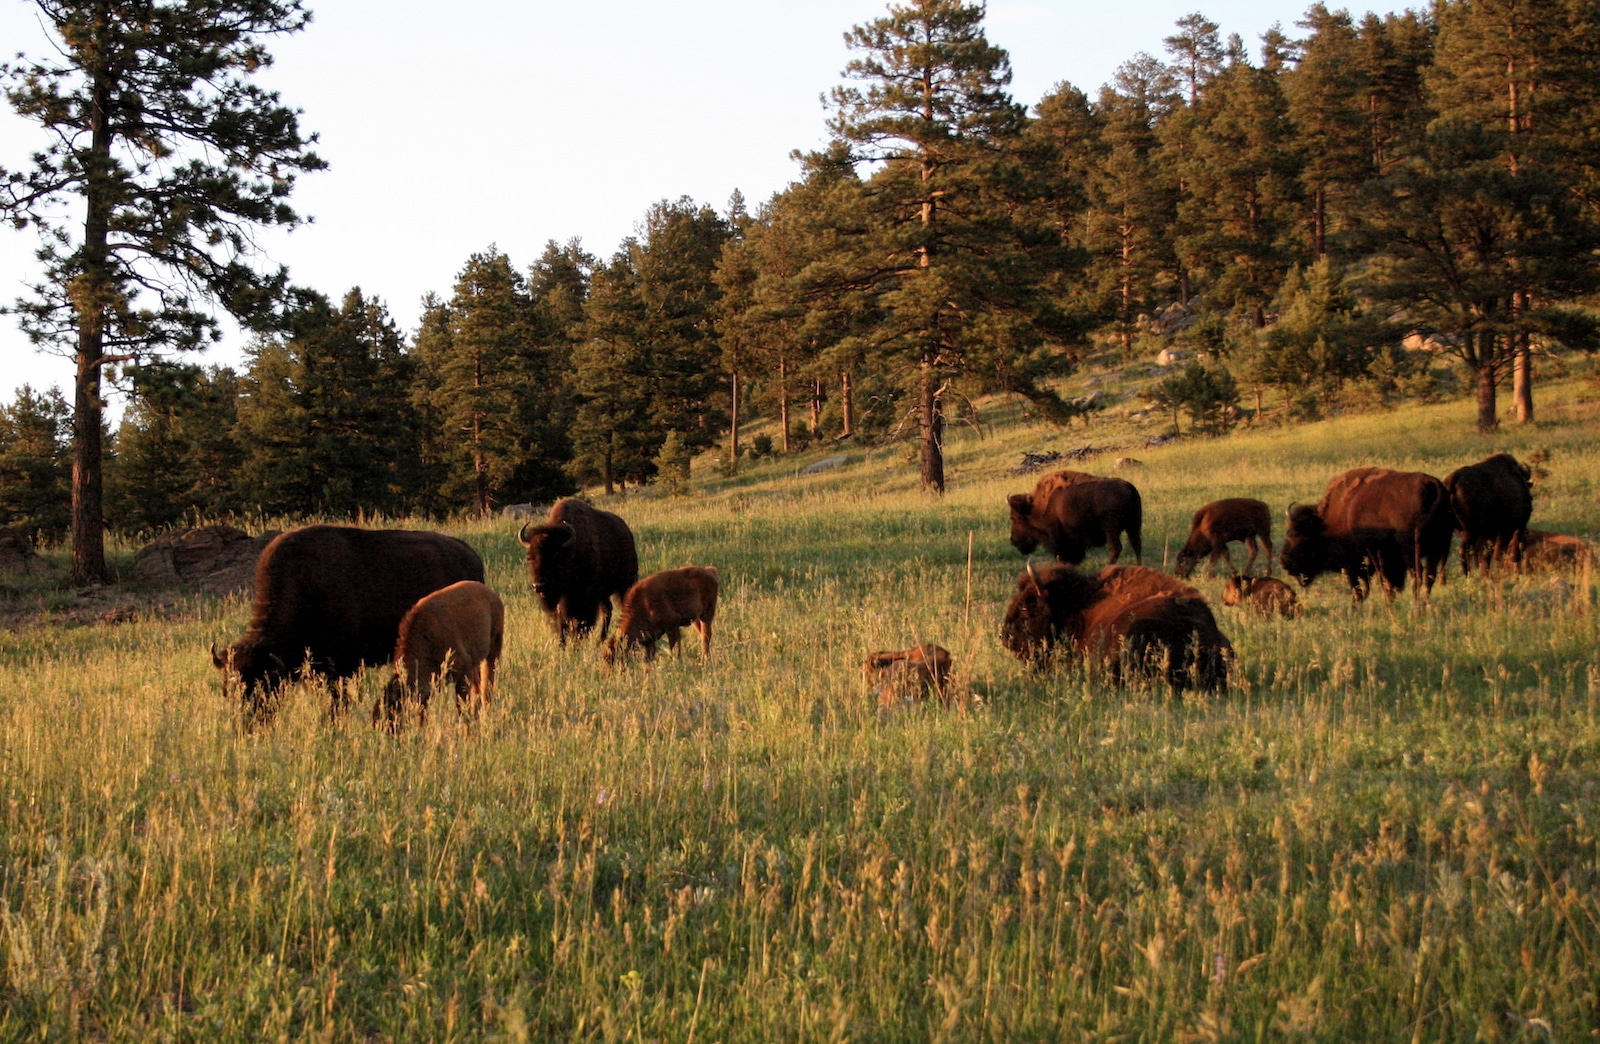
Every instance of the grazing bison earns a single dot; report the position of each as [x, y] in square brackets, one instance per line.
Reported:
[452, 635]
[1492, 501]
[1263, 594]
[579, 559]
[1372, 520]
[1222, 521]
[332, 598]
[1076, 517]
[1158, 624]
[661, 604]
[913, 674]
[1543, 550]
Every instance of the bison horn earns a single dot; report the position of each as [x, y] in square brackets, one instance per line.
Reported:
[522, 534]
[1289, 512]
[216, 658]
[1035, 578]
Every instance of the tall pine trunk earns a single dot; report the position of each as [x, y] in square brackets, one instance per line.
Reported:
[816, 407]
[1522, 364]
[1319, 223]
[930, 425]
[783, 400]
[88, 509]
[847, 404]
[611, 448]
[1487, 412]
[733, 428]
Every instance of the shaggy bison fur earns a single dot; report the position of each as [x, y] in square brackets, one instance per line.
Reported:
[1086, 513]
[1492, 501]
[579, 558]
[1123, 615]
[453, 635]
[1372, 521]
[331, 598]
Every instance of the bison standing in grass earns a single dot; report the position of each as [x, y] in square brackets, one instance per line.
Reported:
[1221, 522]
[1373, 520]
[580, 558]
[1088, 512]
[453, 635]
[1158, 625]
[661, 605]
[1492, 501]
[331, 598]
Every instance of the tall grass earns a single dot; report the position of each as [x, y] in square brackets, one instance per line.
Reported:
[1386, 830]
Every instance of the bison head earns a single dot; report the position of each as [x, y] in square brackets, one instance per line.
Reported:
[1305, 549]
[1025, 532]
[550, 559]
[1190, 555]
[261, 671]
[1043, 608]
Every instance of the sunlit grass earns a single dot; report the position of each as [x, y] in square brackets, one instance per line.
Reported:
[1385, 830]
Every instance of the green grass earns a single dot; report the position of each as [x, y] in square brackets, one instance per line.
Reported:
[1388, 829]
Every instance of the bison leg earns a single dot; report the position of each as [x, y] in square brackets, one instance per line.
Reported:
[605, 612]
[1268, 541]
[1250, 545]
[1114, 545]
[1138, 547]
[704, 627]
[1226, 556]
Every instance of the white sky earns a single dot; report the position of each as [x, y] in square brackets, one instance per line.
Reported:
[449, 127]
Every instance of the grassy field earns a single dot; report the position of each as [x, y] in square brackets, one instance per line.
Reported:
[1389, 828]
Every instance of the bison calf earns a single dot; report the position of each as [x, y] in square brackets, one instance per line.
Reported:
[1263, 594]
[1219, 523]
[662, 604]
[452, 635]
[913, 674]
[1542, 550]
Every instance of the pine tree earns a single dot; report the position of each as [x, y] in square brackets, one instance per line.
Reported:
[35, 453]
[951, 253]
[491, 390]
[611, 432]
[1326, 92]
[178, 453]
[325, 421]
[154, 121]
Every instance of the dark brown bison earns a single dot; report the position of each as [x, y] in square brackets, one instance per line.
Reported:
[580, 558]
[912, 674]
[1263, 594]
[660, 605]
[1222, 521]
[1155, 623]
[1372, 521]
[331, 598]
[453, 635]
[1543, 550]
[1076, 517]
[1047, 485]
[1492, 501]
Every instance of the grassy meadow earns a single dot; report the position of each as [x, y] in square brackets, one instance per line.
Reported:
[1388, 829]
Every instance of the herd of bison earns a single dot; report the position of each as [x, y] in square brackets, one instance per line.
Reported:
[332, 599]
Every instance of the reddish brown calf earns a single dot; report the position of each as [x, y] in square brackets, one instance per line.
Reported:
[660, 605]
[910, 675]
[453, 635]
[1219, 523]
[1263, 594]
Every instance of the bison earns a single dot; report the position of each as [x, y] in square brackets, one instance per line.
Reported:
[662, 604]
[1263, 594]
[1222, 521]
[454, 635]
[912, 674]
[580, 558]
[1492, 501]
[331, 598]
[1372, 520]
[1086, 513]
[1543, 550]
[1124, 613]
